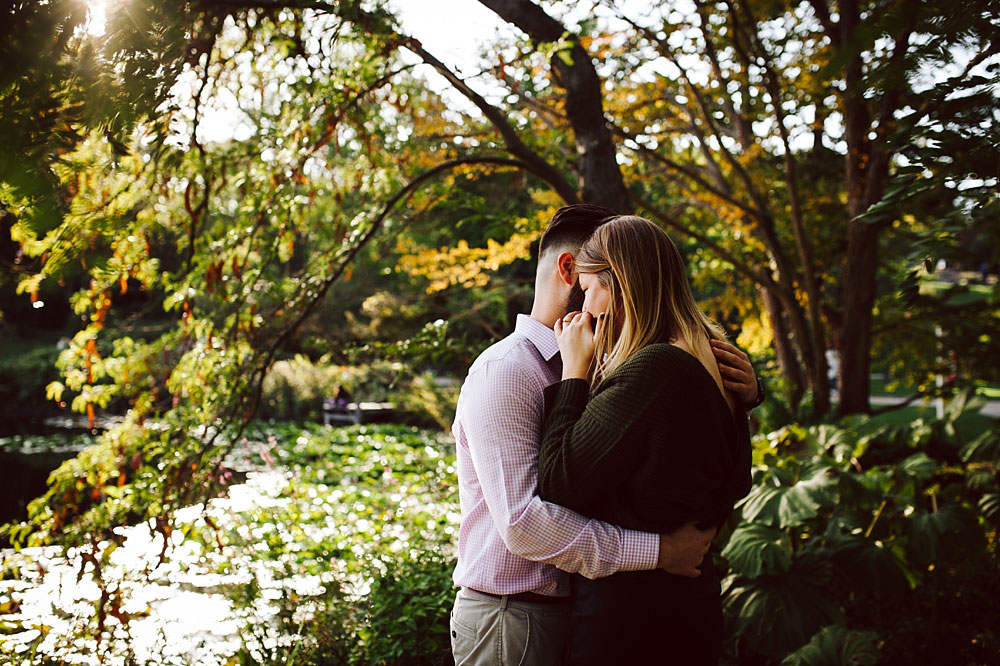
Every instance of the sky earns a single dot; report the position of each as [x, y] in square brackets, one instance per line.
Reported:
[452, 30]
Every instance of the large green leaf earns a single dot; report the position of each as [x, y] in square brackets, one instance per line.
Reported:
[985, 447]
[919, 465]
[836, 645]
[842, 443]
[865, 490]
[949, 533]
[788, 506]
[868, 564]
[964, 401]
[778, 614]
[755, 549]
[981, 478]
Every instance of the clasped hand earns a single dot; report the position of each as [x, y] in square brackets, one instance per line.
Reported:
[575, 335]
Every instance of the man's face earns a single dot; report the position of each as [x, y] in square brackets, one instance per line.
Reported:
[574, 301]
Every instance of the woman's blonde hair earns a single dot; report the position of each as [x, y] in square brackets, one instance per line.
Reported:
[651, 299]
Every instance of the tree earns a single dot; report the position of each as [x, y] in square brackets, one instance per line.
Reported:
[854, 74]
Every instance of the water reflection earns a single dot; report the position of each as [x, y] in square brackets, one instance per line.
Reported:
[178, 616]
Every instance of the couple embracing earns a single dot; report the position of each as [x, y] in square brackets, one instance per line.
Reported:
[600, 446]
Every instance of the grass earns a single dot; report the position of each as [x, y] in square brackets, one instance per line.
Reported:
[991, 391]
[880, 386]
[941, 285]
[968, 426]
[963, 292]
[904, 415]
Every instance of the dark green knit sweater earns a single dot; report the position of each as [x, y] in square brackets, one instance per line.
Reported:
[655, 447]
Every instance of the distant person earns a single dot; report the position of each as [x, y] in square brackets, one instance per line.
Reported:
[514, 550]
[641, 432]
[341, 397]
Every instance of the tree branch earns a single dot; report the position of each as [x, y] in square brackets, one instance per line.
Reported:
[744, 132]
[914, 397]
[831, 29]
[878, 169]
[688, 173]
[816, 358]
[601, 179]
[345, 260]
[759, 277]
[532, 160]
[318, 5]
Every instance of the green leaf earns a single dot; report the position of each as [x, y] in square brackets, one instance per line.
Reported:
[867, 563]
[986, 447]
[755, 549]
[777, 614]
[795, 504]
[919, 466]
[964, 401]
[989, 505]
[839, 442]
[950, 533]
[836, 645]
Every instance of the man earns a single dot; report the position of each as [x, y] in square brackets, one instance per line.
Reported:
[514, 550]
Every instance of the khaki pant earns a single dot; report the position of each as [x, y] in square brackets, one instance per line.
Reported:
[487, 631]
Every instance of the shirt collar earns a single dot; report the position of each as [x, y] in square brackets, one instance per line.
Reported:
[538, 334]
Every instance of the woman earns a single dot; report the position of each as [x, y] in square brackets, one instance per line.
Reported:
[658, 444]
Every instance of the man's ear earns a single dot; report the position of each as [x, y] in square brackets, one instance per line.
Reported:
[566, 268]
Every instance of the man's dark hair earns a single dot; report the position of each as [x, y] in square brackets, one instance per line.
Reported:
[572, 225]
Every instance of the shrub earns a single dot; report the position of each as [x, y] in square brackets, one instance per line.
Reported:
[294, 390]
[429, 400]
[852, 516]
[370, 510]
[407, 619]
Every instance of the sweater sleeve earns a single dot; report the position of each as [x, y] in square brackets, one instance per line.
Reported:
[582, 456]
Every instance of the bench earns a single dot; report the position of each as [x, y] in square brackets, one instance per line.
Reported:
[354, 412]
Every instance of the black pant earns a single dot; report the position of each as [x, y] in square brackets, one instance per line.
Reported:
[647, 617]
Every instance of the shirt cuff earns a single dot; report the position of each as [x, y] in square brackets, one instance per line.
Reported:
[640, 551]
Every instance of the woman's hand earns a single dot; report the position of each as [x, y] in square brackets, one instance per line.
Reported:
[576, 343]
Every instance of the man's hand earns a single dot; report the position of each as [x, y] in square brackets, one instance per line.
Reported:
[737, 373]
[682, 550]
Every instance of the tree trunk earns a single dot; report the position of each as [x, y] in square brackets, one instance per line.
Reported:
[855, 334]
[601, 181]
[788, 363]
[862, 248]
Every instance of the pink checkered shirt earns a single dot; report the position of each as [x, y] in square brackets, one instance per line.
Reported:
[511, 541]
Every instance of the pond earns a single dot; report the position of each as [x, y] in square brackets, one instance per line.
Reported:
[27, 461]
[314, 519]
[177, 612]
